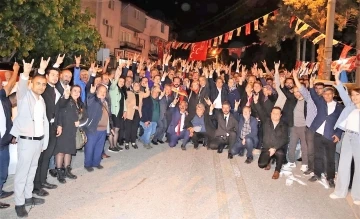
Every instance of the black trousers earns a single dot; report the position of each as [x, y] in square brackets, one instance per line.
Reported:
[220, 142]
[131, 127]
[323, 146]
[44, 159]
[260, 136]
[197, 136]
[265, 158]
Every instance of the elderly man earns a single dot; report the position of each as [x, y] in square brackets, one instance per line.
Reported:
[199, 125]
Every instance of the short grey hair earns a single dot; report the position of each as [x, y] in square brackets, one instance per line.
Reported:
[200, 105]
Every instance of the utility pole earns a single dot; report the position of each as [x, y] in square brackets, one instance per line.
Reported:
[330, 17]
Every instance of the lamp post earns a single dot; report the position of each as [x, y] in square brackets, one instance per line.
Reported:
[330, 17]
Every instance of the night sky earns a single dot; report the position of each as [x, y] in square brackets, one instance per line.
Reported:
[197, 20]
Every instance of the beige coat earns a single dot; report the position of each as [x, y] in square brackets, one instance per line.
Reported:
[131, 103]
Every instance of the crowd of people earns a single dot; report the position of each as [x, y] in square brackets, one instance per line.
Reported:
[219, 106]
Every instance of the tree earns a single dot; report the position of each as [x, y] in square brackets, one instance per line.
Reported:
[310, 11]
[36, 28]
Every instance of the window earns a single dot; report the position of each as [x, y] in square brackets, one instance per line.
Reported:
[126, 37]
[137, 14]
[109, 31]
[162, 28]
[111, 4]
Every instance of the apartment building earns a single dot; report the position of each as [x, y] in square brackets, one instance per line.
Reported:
[126, 29]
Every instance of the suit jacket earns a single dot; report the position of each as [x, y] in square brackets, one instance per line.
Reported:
[254, 127]
[275, 137]
[24, 123]
[214, 92]
[222, 129]
[52, 109]
[207, 120]
[164, 105]
[176, 116]
[322, 115]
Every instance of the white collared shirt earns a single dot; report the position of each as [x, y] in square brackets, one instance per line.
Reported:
[182, 121]
[39, 114]
[331, 108]
[2, 121]
[352, 121]
[217, 101]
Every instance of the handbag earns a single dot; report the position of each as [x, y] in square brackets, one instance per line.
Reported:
[81, 139]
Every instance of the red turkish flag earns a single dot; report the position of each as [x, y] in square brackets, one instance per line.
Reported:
[357, 62]
[198, 51]
[236, 51]
[247, 29]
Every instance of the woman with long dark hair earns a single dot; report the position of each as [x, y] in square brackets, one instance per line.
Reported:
[71, 117]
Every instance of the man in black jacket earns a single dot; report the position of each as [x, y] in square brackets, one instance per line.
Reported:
[274, 138]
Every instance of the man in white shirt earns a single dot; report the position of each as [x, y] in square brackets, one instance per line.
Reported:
[31, 129]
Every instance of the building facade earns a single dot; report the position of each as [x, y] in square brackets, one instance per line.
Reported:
[126, 29]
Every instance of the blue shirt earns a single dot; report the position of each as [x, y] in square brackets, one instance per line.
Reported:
[199, 121]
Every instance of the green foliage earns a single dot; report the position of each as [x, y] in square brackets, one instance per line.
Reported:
[36, 28]
[312, 12]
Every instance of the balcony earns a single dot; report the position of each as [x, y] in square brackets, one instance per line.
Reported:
[133, 18]
[129, 45]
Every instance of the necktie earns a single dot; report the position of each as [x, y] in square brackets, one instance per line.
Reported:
[226, 121]
[178, 126]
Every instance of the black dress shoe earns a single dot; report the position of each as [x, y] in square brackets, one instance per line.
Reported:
[196, 146]
[331, 183]
[134, 146]
[5, 194]
[47, 185]
[127, 146]
[154, 142]
[300, 159]
[183, 147]
[53, 173]
[314, 178]
[220, 150]
[100, 167]
[4, 205]
[21, 211]
[34, 201]
[89, 169]
[161, 142]
[249, 160]
[230, 156]
[40, 192]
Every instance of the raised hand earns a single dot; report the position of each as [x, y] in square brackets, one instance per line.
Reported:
[43, 64]
[60, 60]
[264, 63]
[208, 101]
[277, 65]
[77, 60]
[16, 67]
[92, 89]
[67, 93]
[27, 67]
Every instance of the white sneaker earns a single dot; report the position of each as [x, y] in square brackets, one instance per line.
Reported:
[357, 202]
[333, 196]
[289, 165]
[304, 168]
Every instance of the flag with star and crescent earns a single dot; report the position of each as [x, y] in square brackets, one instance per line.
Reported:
[198, 51]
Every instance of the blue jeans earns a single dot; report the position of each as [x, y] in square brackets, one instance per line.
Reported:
[4, 165]
[52, 163]
[250, 143]
[148, 131]
[94, 148]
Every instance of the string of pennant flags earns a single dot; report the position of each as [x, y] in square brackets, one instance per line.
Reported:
[226, 37]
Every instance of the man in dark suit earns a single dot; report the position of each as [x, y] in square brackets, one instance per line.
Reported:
[218, 93]
[176, 129]
[227, 128]
[51, 97]
[326, 137]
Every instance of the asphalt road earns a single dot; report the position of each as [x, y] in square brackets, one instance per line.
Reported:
[169, 183]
